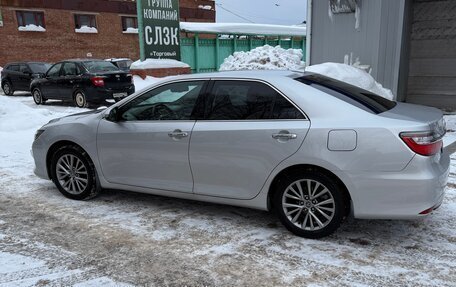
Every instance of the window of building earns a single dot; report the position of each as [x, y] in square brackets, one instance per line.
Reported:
[28, 18]
[83, 21]
[129, 24]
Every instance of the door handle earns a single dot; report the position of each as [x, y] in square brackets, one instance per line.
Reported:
[284, 135]
[177, 134]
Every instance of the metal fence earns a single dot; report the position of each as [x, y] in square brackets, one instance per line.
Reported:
[206, 55]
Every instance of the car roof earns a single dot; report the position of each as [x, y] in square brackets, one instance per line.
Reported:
[245, 74]
[26, 62]
[80, 60]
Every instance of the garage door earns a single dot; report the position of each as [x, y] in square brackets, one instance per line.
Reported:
[432, 73]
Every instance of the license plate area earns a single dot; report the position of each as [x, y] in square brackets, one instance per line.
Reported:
[119, 95]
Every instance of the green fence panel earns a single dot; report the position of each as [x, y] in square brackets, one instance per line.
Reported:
[208, 54]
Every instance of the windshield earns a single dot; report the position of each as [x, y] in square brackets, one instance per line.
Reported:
[353, 95]
[39, 68]
[100, 66]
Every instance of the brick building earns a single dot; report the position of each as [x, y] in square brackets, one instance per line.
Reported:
[52, 30]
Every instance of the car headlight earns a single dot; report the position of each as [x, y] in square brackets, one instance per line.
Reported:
[38, 133]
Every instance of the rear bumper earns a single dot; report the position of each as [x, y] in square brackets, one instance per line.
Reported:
[102, 94]
[411, 193]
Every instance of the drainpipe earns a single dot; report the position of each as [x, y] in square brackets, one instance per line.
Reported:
[308, 32]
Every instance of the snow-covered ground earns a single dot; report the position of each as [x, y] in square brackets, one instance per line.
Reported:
[122, 238]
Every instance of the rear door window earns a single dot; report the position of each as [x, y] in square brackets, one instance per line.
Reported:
[248, 100]
[100, 66]
[54, 71]
[14, 68]
[70, 69]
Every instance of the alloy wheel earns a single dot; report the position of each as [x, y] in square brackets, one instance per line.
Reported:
[308, 204]
[6, 89]
[72, 174]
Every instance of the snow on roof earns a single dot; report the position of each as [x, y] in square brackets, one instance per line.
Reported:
[243, 29]
[31, 27]
[157, 64]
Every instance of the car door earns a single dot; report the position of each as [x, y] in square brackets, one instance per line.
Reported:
[25, 77]
[71, 77]
[49, 87]
[248, 129]
[147, 145]
[14, 74]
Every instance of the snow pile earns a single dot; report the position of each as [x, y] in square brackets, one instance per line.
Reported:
[86, 29]
[31, 27]
[131, 31]
[24, 117]
[142, 84]
[243, 28]
[352, 76]
[157, 64]
[265, 58]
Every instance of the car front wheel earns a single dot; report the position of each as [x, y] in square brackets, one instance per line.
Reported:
[38, 96]
[74, 173]
[7, 88]
[310, 204]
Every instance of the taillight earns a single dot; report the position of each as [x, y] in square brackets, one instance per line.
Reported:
[423, 143]
[97, 81]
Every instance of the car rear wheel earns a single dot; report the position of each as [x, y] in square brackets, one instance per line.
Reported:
[80, 100]
[74, 173]
[309, 204]
[38, 96]
[7, 88]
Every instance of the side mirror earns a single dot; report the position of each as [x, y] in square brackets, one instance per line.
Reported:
[113, 115]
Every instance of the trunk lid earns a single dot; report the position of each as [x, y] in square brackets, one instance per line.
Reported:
[425, 115]
[116, 79]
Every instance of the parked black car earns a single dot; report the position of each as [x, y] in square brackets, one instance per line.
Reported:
[83, 81]
[122, 63]
[17, 76]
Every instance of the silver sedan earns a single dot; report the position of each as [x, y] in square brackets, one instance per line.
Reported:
[312, 149]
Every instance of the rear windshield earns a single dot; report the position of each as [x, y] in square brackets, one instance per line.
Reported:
[39, 67]
[124, 64]
[353, 95]
[100, 66]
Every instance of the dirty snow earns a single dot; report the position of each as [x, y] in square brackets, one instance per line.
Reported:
[205, 7]
[265, 58]
[351, 75]
[157, 64]
[123, 238]
[86, 29]
[243, 29]
[32, 28]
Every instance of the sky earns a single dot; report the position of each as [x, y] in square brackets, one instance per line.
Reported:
[284, 12]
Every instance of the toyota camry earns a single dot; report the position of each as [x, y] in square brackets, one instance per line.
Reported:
[312, 149]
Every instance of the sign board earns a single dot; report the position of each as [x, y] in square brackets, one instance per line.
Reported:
[159, 32]
[1, 17]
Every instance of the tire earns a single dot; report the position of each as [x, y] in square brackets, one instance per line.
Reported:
[304, 214]
[7, 88]
[74, 173]
[80, 100]
[38, 96]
